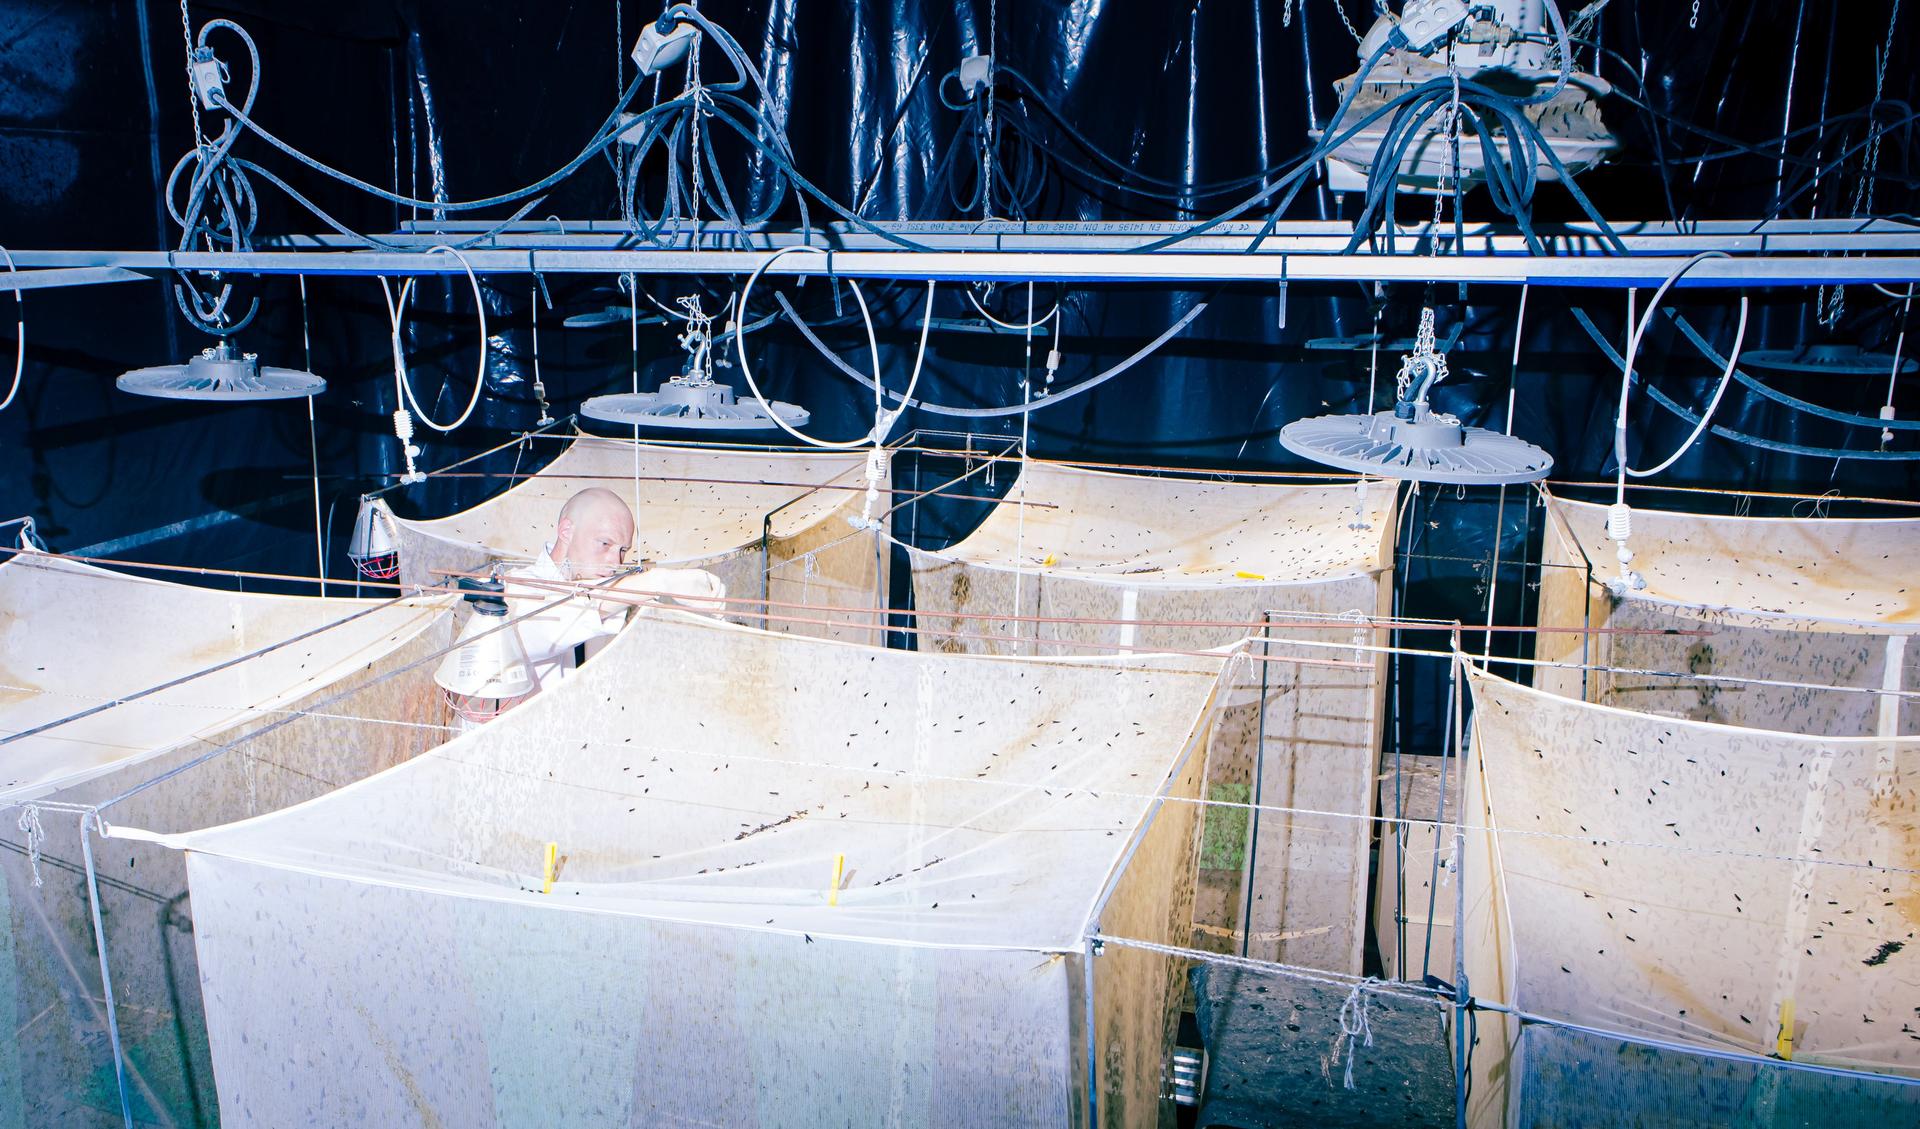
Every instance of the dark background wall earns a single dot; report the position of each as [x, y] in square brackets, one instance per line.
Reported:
[94, 111]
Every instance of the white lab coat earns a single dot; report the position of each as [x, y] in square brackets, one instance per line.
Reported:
[551, 636]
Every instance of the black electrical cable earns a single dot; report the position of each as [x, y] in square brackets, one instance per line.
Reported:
[1076, 389]
[1741, 437]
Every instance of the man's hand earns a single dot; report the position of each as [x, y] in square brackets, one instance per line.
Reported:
[689, 588]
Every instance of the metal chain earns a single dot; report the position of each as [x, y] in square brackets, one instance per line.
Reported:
[619, 84]
[1693, 21]
[1450, 154]
[1286, 14]
[193, 94]
[1424, 357]
[1341, 7]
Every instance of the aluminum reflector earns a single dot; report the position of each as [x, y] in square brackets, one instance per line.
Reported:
[1430, 448]
[606, 315]
[221, 373]
[1834, 360]
[690, 406]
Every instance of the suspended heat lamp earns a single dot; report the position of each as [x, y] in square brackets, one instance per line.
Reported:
[221, 374]
[1830, 359]
[373, 551]
[693, 401]
[488, 669]
[1412, 441]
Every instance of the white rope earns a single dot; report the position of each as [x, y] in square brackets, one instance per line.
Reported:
[1355, 1024]
[36, 838]
[1404, 991]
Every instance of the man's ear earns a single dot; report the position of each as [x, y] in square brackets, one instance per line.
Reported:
[563, 535]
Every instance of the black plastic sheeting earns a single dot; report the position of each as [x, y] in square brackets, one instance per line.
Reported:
[469, 99]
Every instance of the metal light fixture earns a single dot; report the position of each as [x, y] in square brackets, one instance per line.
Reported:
[1828, 360]
[221, 373]
[488, 669]
[693, 401]
[374, 552]
[1412, 441]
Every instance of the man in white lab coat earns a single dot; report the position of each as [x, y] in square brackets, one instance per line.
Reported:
[591, 542]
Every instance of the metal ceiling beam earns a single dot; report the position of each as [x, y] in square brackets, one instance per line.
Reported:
[66, 276]
[1766, 253]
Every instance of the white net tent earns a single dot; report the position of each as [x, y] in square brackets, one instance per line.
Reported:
[1661, 891]
[1808, 600]
[789, 879]
[771, 525]
[1079, 560]
[117, 686]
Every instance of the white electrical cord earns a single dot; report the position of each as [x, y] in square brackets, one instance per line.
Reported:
[395, 313]
[882, 419]
[1893, 378]
[1620, 515]
[1052, 315]
[20, 343]
[1626, 377]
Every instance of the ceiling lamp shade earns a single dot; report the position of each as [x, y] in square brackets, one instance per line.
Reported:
[1412, 441]
[1828, 359]
[695, 407]
[693, 401]
[221, 374]
[1430, 447]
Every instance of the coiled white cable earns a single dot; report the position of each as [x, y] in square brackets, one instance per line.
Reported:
[882, 419]
[395, 313]
[20, 343]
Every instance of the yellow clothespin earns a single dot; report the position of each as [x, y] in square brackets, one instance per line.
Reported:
[551, 868]
[1244, 575]
[1049, 560]
[839, 871]
[1785, 1044]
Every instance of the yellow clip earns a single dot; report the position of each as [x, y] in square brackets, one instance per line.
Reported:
[551, 869]
[1786, 1028]
[839, 870]
[1049, 560]
[1249, 575]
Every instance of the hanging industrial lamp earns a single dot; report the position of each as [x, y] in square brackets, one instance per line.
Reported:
[222, 374]
[1412, 441]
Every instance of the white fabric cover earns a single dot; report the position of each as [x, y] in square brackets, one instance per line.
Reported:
[1130, 550]
[384, 955]
[695, 507]
[1640, 877]
[1833, 601]
[73, 636]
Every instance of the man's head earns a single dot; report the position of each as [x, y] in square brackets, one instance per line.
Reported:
[594, 534]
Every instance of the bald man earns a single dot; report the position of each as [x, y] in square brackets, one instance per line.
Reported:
[591, 542]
